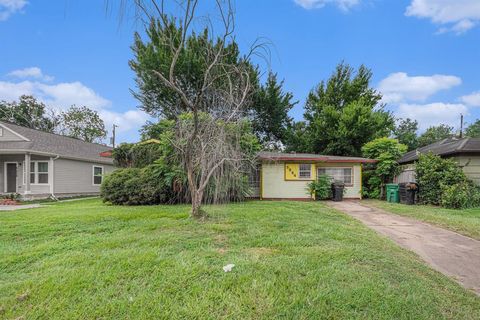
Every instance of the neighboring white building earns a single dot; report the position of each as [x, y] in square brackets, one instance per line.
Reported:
[466, 152]
[287, 175]
[37, 164]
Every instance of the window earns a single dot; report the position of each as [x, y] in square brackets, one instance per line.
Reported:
[337, 174]
[254, 178]
[97, 175]
[42, 175]
[38, 172]
[32, 172]
[305, 171]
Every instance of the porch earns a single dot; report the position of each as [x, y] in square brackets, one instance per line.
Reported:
[26, 174]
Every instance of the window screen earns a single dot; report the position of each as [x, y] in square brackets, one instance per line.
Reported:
[337, 174]
[305, 171]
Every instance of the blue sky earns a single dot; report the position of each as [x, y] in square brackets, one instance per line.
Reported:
[424, 53]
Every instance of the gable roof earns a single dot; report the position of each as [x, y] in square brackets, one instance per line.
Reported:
[444, 147]
[54, 144]
[277, 156]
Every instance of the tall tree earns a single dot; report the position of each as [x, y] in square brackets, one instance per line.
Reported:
[270, 107]
[344, 112]
[473, 130]
[297, 137]
[406, 133]
[434, 134]
[199, 81]
[387, 151]
[83, 123]
[29, 112]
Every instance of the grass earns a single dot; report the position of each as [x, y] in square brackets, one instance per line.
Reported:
[87, 260]
[466, 222]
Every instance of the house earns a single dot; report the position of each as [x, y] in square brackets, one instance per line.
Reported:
[37, 164]
[287, 175]
[466, 152]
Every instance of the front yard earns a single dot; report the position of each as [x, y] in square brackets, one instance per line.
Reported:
[293, 260]
[466, 222]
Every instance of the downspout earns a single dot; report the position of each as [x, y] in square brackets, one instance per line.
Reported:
[52, 185]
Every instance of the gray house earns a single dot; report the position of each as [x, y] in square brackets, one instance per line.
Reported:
[466, 152]
[37, 164]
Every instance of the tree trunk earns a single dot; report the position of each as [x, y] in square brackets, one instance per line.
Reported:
[197, 211]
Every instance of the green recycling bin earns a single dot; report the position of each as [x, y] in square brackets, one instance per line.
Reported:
[393, 193]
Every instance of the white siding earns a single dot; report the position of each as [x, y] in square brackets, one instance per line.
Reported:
[73, 176]
[274, 185]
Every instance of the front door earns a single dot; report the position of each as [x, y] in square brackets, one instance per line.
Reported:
[11, 177]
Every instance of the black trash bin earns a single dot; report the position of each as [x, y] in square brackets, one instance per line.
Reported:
[337, 191]
[408, 192]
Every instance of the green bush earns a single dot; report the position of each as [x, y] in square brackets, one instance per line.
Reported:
[137, 155]
[321, 188]
[153, 184]
[460, 195]
[434, 175]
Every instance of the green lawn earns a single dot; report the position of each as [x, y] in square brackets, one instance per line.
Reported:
[293, 260]
[466, 222]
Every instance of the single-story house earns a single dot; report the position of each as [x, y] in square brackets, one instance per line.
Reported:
[37, 164]
[287, 175]
[465, 151]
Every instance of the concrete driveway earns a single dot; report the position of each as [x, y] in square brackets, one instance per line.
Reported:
[450, 253]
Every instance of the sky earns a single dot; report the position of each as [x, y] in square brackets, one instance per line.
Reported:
[424, 54]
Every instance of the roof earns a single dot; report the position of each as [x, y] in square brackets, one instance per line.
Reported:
[277, 156]
[444, 147]
[54, 144]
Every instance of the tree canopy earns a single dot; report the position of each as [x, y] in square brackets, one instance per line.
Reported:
[406, 133]
[29, 112]
[83, 123]
[434, 134]
[342, 114]
[387, 151]
[269, 112]
[473, 130]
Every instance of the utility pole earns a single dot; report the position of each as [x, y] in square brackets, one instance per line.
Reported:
[461, 125]
[112, 139]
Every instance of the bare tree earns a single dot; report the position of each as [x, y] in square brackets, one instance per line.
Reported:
[208, 114]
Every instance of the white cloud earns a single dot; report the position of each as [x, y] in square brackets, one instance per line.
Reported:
[32, 72]
[9, 7]
[344, 5]
[61, 96]
[126, 122]
[400, 87]
[472, 99]
[432, 114]
[456, 16]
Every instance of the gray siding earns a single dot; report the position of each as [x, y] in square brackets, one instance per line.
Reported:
[9, 136]
[73, 176]
[471, 167]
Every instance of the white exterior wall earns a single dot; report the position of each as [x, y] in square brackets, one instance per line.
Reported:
[274, 185]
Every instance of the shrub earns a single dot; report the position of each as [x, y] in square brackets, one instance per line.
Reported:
[460, 195]
[321, 188]
[137, 155]
[150, 185]
[434, 175]
[386, 151]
